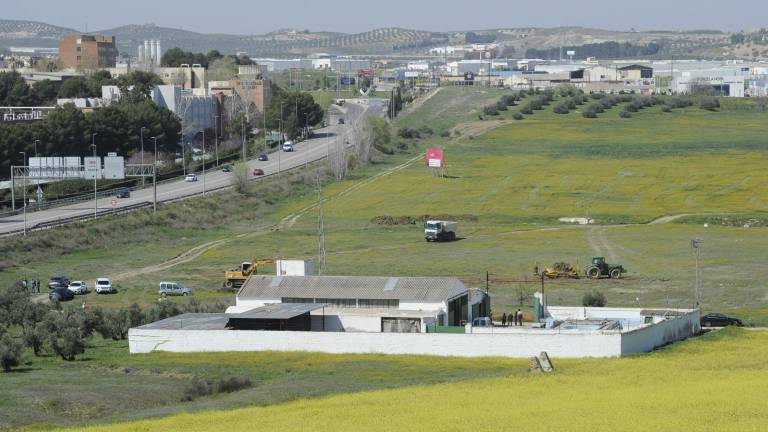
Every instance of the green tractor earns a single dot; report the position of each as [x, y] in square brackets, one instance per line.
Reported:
[601, 269]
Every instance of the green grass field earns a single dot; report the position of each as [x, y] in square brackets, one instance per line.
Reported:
[714, 382]
[109, 385]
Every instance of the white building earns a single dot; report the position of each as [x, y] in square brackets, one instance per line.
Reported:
[724, 82]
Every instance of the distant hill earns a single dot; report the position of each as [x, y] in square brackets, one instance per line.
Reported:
[30, 33]
[382, 41]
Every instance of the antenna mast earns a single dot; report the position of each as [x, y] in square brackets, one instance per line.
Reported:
[320, 227]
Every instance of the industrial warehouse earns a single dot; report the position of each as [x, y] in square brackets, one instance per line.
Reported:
[405, 315]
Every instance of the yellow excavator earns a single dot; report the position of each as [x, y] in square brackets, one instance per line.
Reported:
[236, 277]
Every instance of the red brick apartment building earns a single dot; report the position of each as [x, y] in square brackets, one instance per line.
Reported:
[88, 51]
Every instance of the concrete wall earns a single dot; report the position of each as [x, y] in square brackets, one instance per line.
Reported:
[670, 330]
[460, 345]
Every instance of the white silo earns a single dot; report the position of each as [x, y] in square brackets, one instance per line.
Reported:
[153, 50]
[159, 53]
[140, 52]
[147, 52]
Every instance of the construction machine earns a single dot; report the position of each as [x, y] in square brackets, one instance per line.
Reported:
[558, 270]
[236, 277]
[601, 269]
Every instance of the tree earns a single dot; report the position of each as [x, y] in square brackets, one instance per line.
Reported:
[44, 92]
[709, 103]
[68, 343]
[74, 87]
[10, 353]
[137, 86]
[298, 109]
[222, 69]
[239, 177]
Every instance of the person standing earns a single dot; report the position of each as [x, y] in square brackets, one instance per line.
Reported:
[519, 317]
[504, 319]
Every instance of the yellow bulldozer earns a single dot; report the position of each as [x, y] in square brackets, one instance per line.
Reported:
[236, 277]
[558, 270]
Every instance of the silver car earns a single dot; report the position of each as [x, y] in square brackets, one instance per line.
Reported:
[78, 287]
[173, 289]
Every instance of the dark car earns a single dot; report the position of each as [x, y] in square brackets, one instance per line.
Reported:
[123, 193]
[61, 294]
[263, 157]
[58, 282]
[720, 320]
[226, 169]
[258, 172]
[341, 121]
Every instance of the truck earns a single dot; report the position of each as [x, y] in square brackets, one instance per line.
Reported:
[235, 277]
[436, 230]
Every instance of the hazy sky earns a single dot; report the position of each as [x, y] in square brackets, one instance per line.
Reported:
[260, 16]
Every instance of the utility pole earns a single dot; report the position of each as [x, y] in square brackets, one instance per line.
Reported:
[216, 137]
[696, 245]
[203, 162]
[154, 178]
[141, 133]
[24, 158]
[320, 227]
[95, 199]
[244, 156]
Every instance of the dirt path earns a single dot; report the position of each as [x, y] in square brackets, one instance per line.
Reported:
[667, 219]
[419, 102]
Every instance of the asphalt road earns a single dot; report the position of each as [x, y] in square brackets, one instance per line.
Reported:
[307, 151]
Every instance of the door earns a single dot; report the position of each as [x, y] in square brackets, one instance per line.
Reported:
[400, 325]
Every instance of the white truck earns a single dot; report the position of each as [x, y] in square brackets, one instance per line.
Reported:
[435, 230]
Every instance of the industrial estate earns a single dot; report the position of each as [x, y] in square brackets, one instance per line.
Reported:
[399, 228]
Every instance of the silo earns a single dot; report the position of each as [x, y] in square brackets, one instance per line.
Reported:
[147, 52]
[153, 50]
[159, 53]
[140, 52]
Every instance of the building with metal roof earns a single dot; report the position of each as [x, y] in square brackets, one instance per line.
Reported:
[445, 299]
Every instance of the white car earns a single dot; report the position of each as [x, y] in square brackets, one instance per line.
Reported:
[78, 287]
[190, 178]
[288, 146]
[104, 286]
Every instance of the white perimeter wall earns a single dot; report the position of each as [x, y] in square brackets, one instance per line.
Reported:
[461, 345]
[647, 338]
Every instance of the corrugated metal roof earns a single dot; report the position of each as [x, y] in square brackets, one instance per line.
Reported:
[278, 311]
[348, 287]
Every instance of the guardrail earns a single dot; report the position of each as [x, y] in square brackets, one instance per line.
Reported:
[71, 219]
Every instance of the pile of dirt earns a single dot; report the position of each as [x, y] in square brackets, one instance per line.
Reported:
[413, 220]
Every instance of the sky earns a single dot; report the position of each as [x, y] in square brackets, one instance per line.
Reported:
[260, 16]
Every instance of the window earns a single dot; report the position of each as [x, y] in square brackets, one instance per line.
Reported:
[339, 303]
[378, 304]
[297, 300]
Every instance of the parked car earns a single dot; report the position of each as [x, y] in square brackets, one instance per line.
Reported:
[258, 172]
[288, 146]
[58, 282]
[720, 320]
[341, 121]
[173, 288]
[78, 287]
[104, 286]
[61, 294]
[482, 322]
[226, 169]
[263, 157]
[190, 178]
[123, 193]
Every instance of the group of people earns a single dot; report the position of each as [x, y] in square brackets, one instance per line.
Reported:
[32, 286]
[513, 319]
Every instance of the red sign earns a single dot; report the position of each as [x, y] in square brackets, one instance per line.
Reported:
[435, 158]
[365, 73]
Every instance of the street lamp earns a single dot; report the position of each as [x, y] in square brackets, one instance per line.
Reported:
[95, 175]
[36, 141]
[216, 137]
[141, 133]
[24, 156]
[696, 245]
[154, 178]
[203, 162]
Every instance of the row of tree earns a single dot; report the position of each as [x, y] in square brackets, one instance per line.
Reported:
[297, 110]
[598, 50]
[176, 57]
[69, 131]
[14, 91]
[50, 328]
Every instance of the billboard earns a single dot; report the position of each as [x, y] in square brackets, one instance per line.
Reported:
[92, 167]
[411, 74]
[365, 73]
[435, 158]
[55, 167]
[114, 167]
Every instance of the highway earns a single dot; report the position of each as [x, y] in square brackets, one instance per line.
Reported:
[307, 151]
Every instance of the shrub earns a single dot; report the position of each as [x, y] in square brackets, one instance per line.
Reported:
[625, 114]
[593, 298]
[561, 108]
[536, 104]
[666, 108]
[589, 112]
[198, 388]
[239, 177]
[517, 116]
[526, 109]
[490, 110]
[501, 106]
[445, 134]
[233, 384]
[680, 102]
[508, 100]
[409, 133]
[709, 103]
[10, 353]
